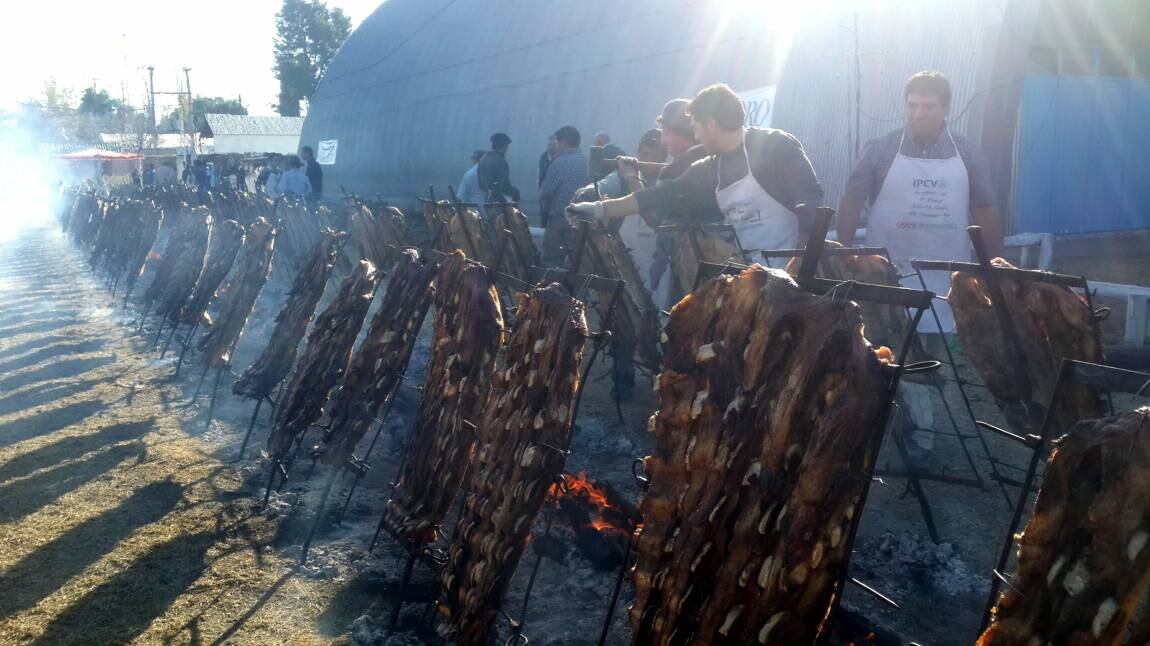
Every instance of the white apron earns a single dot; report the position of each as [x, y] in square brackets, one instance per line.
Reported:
[922, 212]
[760, 221]
[640, 239]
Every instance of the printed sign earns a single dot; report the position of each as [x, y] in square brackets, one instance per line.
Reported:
[759, 104]
[326, 153]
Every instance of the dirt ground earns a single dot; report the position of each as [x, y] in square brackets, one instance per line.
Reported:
[126, 518]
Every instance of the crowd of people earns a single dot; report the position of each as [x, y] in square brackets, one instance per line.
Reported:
[280, 176]
[921, 185]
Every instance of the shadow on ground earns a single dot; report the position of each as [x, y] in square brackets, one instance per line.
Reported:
[46, 422]
[56, 370]
[138, 594]
[73, 447]
[48, 568]
[25, 496]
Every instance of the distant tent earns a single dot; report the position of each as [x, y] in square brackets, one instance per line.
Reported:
[95, 154]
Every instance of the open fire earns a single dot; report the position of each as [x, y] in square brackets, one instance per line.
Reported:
[600, 519]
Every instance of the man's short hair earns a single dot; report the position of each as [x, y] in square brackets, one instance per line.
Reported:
[500, 140]
[306, 150]
[718, 102]
[929, 83]
[568, 135]
[293, 161]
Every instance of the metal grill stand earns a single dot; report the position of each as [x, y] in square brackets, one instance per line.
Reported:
[1105, 379]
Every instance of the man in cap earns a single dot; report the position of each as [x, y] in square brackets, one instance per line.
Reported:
[493, 172]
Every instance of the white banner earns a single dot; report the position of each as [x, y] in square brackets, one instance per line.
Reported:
[326, 153]
[759, 104]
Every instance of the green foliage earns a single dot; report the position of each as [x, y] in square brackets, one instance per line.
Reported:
[308, 34]
[202, 105]
[98, 103]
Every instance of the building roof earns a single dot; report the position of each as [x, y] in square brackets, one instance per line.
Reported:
[235, 124]
[95, 154]
[409, 113]
[121, 141]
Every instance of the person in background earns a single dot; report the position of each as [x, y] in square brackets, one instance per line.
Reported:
[567, 174]
[135, 177]
[294, 183]
[637, 236]
[545, 161]
[493, 172]
[275, 173]
[639, 233]
[149, 177]
[468, 191]
[241, 178]
[602, 139]
[166, 174]
[753, 178]
[679, 139]
[314, 173]
[925, 185]
[201, 178]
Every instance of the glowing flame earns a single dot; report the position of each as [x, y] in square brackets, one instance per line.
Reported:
[606, 516]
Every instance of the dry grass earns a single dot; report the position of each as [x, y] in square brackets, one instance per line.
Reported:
[119, 526]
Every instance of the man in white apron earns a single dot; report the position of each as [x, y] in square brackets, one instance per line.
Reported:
[752, 179]
[925, 185]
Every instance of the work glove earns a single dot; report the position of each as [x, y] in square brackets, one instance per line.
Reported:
[586, 212]
[628, 167]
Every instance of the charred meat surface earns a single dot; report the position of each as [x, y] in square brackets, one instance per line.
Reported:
[523, 430]
[378, 366]
[886, 325]
[253, 266]
[182, 261]
[462, 228]
[226, 240]
[468, 329]
[1052, 323]
[152, 218]
[274, 364]
[187, 266]
[378, 234]
[693, 247]
[513, 235]
[1083, 562]
[635, 319]
[771, 405]
[325, 359]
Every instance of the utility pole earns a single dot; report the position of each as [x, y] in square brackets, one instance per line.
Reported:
[152, 106]
[191, 123]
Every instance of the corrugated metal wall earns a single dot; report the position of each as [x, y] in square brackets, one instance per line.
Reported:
[421, 83]
[1082, 163]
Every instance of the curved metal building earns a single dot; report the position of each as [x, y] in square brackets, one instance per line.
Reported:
[422, 83]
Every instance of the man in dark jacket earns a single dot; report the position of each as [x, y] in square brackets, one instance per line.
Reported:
[753, 179]
[313, 171]
[494, 173]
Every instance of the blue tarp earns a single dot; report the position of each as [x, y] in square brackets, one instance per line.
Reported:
[1083, 155]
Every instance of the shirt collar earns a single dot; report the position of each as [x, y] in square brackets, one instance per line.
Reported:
[926, 143]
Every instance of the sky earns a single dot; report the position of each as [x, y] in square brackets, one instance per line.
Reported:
[226, 43]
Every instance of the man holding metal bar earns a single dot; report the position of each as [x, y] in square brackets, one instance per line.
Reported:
[752, 179]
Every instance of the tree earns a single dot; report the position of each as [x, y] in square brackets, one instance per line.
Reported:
[202, 105]
[308, 34]
[98, 103]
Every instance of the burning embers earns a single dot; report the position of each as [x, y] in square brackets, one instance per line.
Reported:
[600, 520]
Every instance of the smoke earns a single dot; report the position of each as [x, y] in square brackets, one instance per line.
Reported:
[27, 180]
